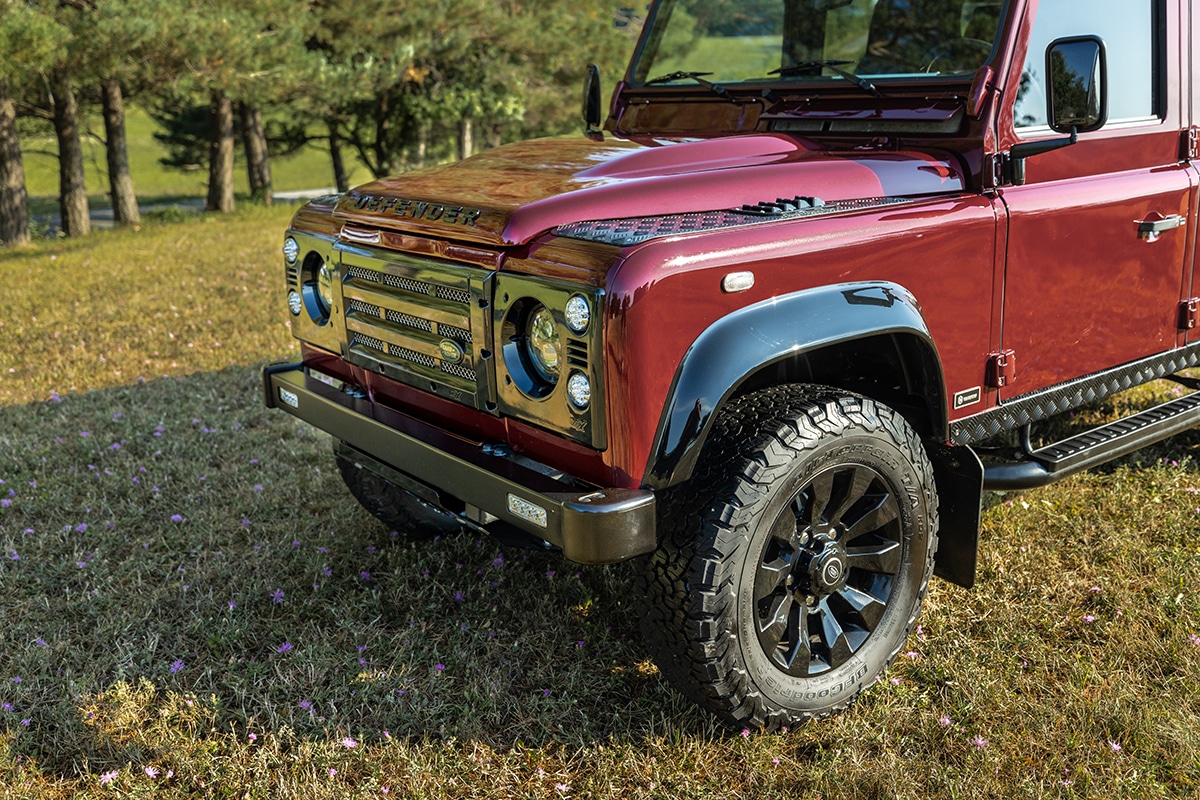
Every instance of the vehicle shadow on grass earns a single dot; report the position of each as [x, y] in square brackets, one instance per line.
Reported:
[181, 565]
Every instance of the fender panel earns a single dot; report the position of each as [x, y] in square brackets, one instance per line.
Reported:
[735, 347]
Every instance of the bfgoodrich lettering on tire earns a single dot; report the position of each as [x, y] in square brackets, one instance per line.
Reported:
[792, 566]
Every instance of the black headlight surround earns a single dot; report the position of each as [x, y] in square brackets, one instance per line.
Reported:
[519, 361]
[310, 278]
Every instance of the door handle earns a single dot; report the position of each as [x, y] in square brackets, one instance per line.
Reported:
[1150, 229]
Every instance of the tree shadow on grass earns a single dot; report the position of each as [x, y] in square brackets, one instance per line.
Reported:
[175, 551]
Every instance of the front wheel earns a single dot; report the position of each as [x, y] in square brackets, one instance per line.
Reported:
[392, 505]
[793, 564]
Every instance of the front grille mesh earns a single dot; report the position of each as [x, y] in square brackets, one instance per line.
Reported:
[408, 285]
[362, 340]
[429, 362]
[359, 307]
[451, 332]
[458, 371]
[409, 320]
[403, 320]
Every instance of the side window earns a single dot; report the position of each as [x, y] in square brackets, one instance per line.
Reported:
[1127, 29]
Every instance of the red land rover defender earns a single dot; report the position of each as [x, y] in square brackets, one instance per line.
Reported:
[756, 326]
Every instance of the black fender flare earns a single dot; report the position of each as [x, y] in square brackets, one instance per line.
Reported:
[740, 344]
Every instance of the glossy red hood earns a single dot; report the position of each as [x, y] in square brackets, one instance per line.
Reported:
[509, 195]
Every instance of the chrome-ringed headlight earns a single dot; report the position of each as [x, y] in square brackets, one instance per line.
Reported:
[325, 286]
[316, 286]
[542, 344]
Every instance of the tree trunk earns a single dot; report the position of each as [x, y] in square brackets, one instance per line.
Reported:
[340, 178]
[72, 189]
[466, 137]
[120, 182]
[258, 161]
[220, 155]
[494, 138]
[14, 203]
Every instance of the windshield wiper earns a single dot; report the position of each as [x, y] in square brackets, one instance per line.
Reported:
[834, 66]
[698, 77]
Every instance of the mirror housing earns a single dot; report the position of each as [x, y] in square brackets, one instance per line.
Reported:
[1076, 99]
[1077, 94]
[592, 99]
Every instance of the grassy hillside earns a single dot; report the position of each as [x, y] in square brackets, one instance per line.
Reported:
[193, 606]
[307, 169]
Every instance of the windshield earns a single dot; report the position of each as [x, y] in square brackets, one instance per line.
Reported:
[733, 41]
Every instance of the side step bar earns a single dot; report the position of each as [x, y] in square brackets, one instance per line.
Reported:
[1094, 447]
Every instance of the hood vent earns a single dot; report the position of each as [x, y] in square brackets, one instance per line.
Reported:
[627, 232]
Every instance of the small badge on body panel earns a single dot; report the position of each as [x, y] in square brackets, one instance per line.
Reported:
[968, 398]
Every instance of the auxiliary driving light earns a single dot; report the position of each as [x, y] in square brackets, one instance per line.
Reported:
[291, 250]
[578, 313]
[579, 389]
[295, 303]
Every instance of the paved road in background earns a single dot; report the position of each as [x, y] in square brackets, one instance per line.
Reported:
[102, 218]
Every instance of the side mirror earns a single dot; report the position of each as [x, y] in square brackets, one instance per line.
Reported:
[1077, 99]
[592, 100]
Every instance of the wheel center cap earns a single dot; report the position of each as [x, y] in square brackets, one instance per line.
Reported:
[828, 570]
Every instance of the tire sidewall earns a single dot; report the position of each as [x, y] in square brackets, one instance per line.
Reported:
[837, 687]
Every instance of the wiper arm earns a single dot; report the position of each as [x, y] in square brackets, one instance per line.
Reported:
[834, 66]
[698, 77]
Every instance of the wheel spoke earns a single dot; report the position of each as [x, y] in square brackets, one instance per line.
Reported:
[821, 490]
[834, 636]
[859, 482]
[883, 558]
[785, 528]
[869, 609]
[770, 577]
[883, 512]
[799, 661]
[772, 627]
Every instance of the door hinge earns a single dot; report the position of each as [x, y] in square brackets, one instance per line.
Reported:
[1189, 314]
[1191, 144]
[1001, 369]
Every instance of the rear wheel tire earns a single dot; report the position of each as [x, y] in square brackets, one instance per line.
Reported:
[392, 505]
[793, 564]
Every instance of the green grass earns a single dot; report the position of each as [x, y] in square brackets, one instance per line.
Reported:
[148, 489]
[308, 169]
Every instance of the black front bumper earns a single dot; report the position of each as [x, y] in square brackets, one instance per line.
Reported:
[595, 526]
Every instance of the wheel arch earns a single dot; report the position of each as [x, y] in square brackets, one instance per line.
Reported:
[868, 337]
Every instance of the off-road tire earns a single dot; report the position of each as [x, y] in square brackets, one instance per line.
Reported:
[769, 455]
[393, 506]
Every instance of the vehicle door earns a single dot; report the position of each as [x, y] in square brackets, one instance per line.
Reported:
[1085, 289]
[1191, 149]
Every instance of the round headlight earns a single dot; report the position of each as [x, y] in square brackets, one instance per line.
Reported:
[579, 389]
[579, 314]
[291, 250]
[543, 344]
[295, 303]
[325, 285]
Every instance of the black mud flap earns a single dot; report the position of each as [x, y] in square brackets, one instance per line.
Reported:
[959, 475]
